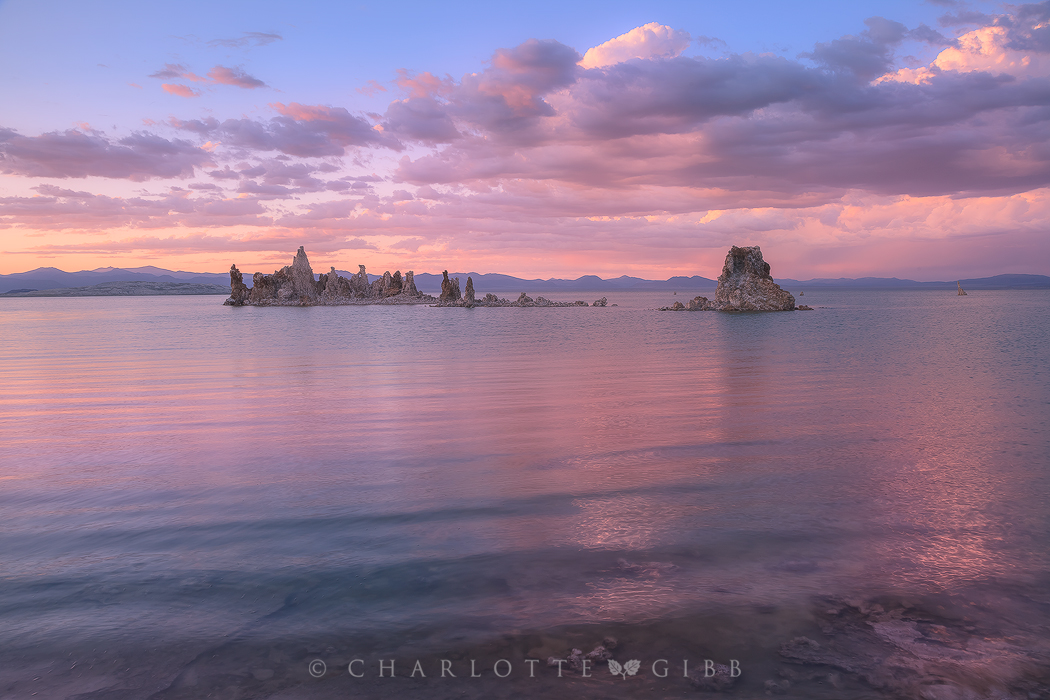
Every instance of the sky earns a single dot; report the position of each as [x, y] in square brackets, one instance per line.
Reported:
[548, 139]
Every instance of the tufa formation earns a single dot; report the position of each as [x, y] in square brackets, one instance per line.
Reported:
[744, 285]
[294, 285]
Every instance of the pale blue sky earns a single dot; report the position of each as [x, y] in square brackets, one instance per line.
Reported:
[71, 62]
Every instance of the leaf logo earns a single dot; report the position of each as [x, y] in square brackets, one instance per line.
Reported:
[628, 669]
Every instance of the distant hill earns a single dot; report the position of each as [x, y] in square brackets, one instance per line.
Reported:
[51, 278]
[492, 282]
[125, 289]
[996, 282]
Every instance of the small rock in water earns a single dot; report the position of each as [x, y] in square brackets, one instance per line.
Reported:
[600, 653]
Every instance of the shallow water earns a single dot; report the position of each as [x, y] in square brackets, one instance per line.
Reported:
[195, 496]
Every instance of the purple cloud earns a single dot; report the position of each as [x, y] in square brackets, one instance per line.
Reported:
[58, 209]
[300, 130]
[73, 153]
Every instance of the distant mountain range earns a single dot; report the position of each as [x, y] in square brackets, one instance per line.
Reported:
[52, 278]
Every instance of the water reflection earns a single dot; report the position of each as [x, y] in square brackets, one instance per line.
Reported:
[389, 466]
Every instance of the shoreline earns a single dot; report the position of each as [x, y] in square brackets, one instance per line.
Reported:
[836, 647]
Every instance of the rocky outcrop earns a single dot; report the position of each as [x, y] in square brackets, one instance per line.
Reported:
[409, 288]
[699, 304]
[601, 302]
[359, 282]
[745, 284]
[294, 285]
[449, 289]
[301, 276]
[470, 300]
[694, 304]
[238, 289]
[468, 295]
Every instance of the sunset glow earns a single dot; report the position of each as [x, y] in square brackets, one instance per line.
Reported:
[910, 145]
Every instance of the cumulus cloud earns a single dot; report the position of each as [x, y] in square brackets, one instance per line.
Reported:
[760, 129]
[73, 153]
[508, 98]
[652, 40]
[866, 55]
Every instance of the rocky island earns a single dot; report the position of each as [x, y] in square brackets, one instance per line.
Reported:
[294, 285]
[744, 285]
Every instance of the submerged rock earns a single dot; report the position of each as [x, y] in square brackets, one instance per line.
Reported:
[745, 284]
[909, 652]
[715, 680]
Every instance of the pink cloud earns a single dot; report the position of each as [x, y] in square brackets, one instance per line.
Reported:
[180, 90]
[219, 75]
[422, 84]
[370, 88]
[234, 76]
[651, 40]
[309, 113]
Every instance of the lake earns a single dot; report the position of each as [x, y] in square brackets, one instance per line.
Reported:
[208, 501]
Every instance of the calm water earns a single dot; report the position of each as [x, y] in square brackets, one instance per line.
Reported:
[199, 500]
